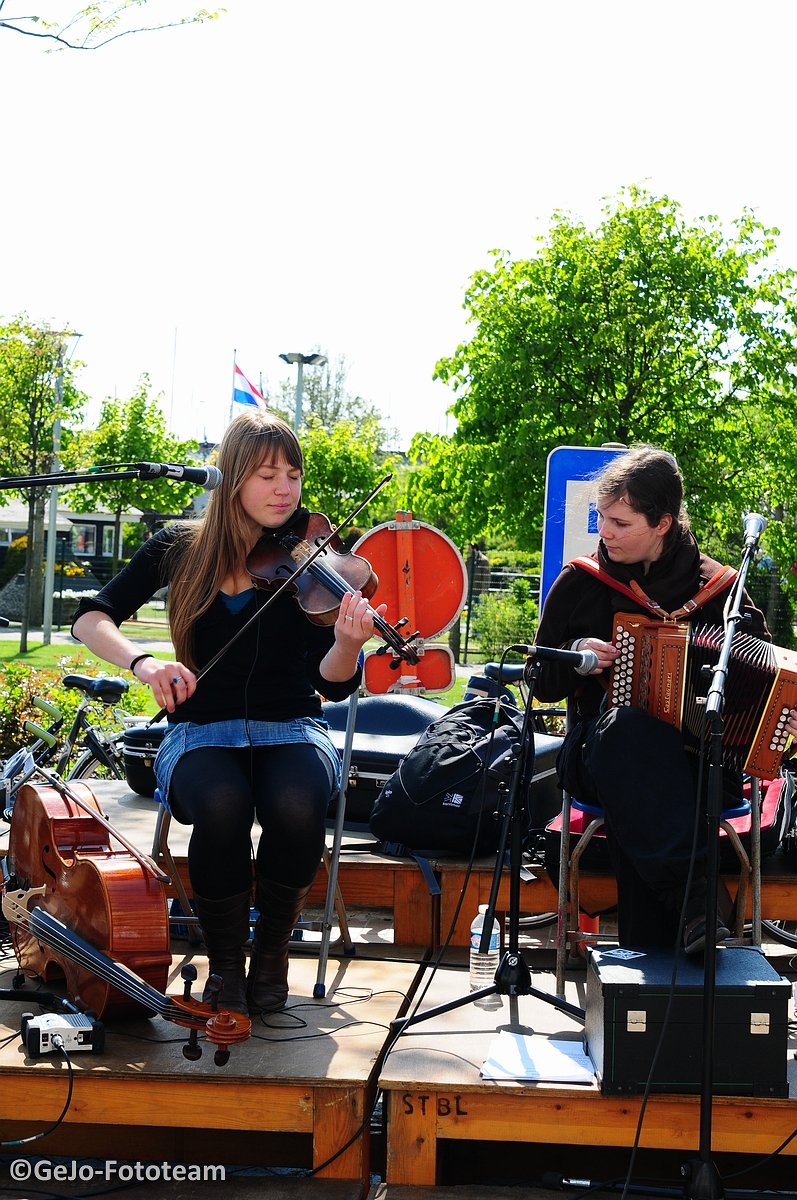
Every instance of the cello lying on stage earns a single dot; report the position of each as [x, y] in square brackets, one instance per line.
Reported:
[97, 916]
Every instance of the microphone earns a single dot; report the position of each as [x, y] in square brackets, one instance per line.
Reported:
[754, 526]
[584, 661]
[209, 477]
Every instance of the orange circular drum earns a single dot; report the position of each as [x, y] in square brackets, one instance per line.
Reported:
[422, 576]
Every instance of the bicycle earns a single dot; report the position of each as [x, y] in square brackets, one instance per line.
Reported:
[100, 754]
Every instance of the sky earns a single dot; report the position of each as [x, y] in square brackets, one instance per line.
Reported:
[327, 175]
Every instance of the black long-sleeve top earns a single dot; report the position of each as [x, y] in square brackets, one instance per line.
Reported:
[269, 673]
[579, 605]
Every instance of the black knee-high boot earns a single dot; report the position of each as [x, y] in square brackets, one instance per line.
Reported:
[225, 927]
[279, 907]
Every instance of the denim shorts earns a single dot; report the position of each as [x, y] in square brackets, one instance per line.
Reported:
[240, 733]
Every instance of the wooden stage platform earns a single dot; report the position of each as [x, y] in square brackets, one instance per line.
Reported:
[300, 1094]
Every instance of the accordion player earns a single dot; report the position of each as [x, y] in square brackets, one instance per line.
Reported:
[664, 667]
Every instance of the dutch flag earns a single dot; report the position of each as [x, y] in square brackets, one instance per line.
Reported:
[244, 392]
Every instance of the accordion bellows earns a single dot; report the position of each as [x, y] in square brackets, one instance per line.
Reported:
[665, 668]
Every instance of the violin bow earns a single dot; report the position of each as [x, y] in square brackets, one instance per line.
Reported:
[280, 588]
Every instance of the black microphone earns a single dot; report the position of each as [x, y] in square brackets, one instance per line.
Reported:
[210, 477]
[754, 526]
[584, 661]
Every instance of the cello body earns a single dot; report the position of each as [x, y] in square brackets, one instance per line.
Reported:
[100, 893]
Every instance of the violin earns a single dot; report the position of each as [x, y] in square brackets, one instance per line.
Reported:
[96, 916]
[326, 580]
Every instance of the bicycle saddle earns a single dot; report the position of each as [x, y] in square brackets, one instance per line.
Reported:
[108, 691]
[508, 673]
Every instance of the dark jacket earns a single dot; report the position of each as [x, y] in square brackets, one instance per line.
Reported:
[580, 605]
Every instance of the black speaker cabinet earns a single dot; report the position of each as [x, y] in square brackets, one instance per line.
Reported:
[628, 995]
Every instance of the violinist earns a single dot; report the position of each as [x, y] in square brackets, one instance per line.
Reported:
[249, 739]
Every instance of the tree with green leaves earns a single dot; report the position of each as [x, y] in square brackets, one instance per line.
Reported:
[648, 328]
[96, 25]
[37, 393]
[343, 439]
[342, 465]
[128, 432]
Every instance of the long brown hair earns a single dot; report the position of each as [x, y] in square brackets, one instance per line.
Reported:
[217, 545]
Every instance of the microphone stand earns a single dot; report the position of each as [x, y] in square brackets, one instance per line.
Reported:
[512, 978]
[702, 1178]
[62, 478]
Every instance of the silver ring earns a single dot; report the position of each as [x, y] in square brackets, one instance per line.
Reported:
[348, 618]
[177, 679]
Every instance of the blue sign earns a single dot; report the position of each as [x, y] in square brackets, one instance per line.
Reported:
[570, 527]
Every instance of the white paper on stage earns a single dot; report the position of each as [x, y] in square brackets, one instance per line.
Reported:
[536, 1058]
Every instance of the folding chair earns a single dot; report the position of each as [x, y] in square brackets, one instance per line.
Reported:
[162, 855]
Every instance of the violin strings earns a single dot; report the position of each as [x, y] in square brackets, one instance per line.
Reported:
[339, 587]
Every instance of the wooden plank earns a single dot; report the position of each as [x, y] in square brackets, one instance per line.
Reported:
[434, 1092]
[308, 1071]
[412, 1139]
[339, 1118]
[189, 1103]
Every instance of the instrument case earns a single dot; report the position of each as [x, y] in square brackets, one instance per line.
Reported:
[627, 999]
[387, 727]
[141, 744]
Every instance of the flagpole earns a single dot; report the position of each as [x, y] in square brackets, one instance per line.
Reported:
[232, 389]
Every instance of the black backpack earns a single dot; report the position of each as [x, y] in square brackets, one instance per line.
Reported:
[459, 768]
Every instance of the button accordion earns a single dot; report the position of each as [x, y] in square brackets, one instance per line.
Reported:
[664, 667]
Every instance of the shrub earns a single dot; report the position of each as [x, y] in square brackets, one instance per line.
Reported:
[501, 620]
[20, 683]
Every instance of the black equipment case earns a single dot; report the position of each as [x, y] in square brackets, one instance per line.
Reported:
[627, 998]
[141, 744]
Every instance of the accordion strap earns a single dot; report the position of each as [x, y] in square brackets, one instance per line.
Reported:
[719, 580]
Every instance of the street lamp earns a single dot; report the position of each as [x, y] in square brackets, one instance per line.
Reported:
[302, 361]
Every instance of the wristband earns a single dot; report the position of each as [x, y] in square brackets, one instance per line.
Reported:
[138, 659]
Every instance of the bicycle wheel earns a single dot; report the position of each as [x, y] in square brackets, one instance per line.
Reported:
[782, 931]
[102, 759]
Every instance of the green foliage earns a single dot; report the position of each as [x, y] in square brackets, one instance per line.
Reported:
[36, 389]
[341, 465]
[97, 24]
[130, 431]
[645, 329]
[500, 620]
[20, 683]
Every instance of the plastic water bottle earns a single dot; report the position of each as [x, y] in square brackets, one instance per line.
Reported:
[483, 966]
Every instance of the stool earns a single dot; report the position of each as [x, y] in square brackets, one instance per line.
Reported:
[570, 936]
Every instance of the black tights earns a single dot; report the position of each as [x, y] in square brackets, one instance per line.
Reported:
[220, 791]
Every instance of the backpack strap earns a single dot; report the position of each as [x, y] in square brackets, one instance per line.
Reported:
[719, 580]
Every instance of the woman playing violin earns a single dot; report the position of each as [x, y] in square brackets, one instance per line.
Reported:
[249, 739]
